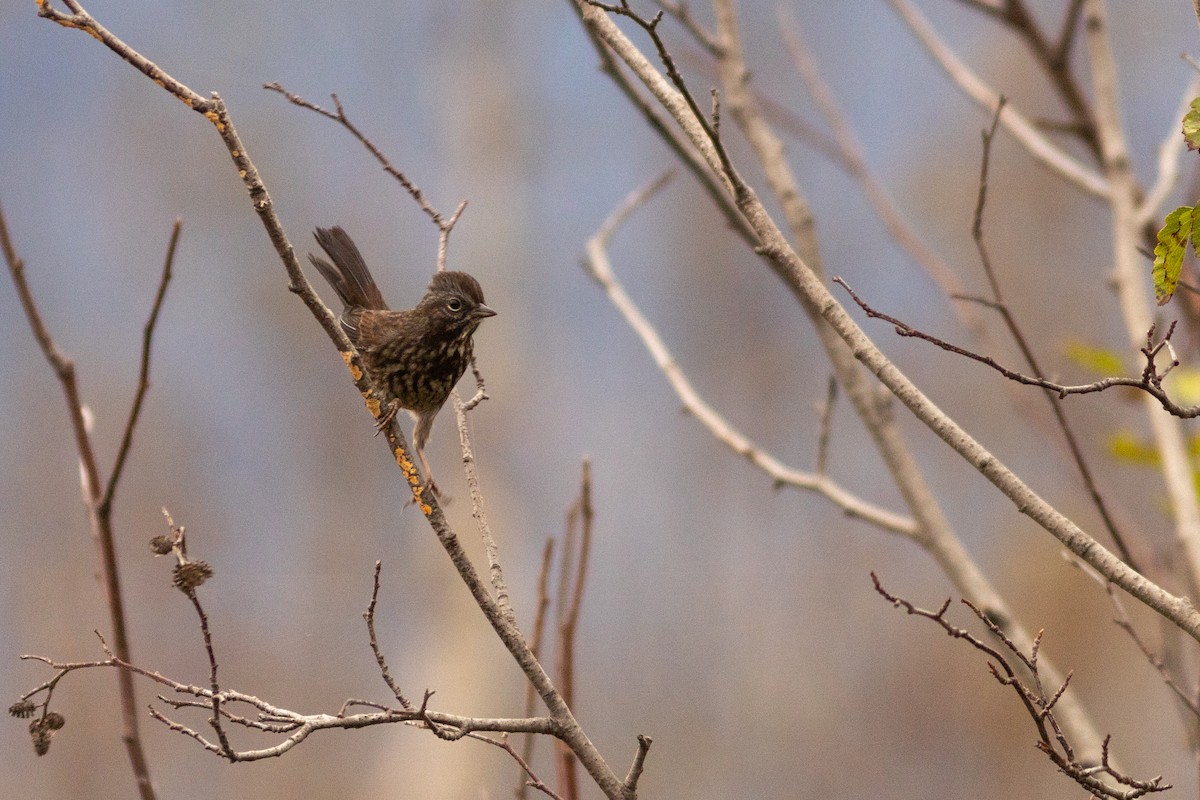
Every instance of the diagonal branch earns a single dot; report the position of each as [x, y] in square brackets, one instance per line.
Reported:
[566, 727]
[1010, 322]
[144, 372]
[799, 276]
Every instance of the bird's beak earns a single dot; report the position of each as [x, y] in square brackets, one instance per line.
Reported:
[482, 312]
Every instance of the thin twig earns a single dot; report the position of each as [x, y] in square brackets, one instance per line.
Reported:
[1149, 382]
[492, 550]
[1000, 305]
[340, 117]
[535, 644]
[532, 780]
[1038, 703]
[144, 373]
[384, 671]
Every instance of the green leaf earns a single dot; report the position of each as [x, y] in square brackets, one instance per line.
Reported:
[1191, 126]
[1096, 360]
[1126, 446]
[1178, 230]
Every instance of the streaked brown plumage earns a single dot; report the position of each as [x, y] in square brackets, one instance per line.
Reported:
[416, 356]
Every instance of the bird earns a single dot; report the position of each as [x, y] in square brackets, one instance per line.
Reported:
[416, 356]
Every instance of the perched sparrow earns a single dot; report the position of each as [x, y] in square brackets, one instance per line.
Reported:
[417, 356]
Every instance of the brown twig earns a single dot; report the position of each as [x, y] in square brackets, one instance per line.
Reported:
[1054, 58]
[682, 13]
[1038, 703]
[1123, 621]
[269, 718]
[999, 304]
[531, 779]
[384, 671]
[144, 373]
[535, 644]
[709, 123]
[571, 579]
[99, 502]
[675, 141]
[1149, 382]
[340, 117]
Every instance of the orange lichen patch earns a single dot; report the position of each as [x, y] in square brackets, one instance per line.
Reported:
[372, 404]
[355, 372]
[409, 469]
[417, 491]
[215, 119]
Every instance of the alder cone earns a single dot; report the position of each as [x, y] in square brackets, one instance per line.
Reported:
[415, 356]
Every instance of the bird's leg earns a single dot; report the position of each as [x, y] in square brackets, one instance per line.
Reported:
[429, 482]
[389, 417]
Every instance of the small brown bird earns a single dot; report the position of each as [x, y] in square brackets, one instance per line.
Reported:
[417, 356]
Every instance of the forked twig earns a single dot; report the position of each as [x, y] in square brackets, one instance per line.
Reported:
[1037, 701]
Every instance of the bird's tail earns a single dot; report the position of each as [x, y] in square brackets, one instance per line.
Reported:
[348, 275]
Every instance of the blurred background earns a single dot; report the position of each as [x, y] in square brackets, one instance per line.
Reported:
[732, 622]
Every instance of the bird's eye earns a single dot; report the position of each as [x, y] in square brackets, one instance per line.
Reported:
[454, 304]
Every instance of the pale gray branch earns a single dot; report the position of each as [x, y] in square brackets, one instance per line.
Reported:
[1012, 120]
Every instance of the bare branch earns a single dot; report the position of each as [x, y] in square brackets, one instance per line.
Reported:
[597, 265]
[495, 571]
[1024, 131]
[1037, 703]
[998, 303]
[144, 373]
[384, 671]
[533, 781]
[1149, 382]
[339, 116]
